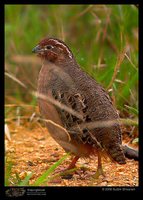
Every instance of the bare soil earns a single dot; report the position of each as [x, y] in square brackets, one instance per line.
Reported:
[34, 150]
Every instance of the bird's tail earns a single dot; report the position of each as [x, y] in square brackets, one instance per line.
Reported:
[115, 152]
[130, 153]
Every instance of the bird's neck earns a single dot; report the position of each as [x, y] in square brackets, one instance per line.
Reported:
[43, 78]
[51, 74]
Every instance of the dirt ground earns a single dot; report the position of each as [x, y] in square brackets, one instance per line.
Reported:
[33, 150]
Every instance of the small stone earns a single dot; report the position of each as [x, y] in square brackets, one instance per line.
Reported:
[67, 176]
[53, 160]
[31, 163]
[40, 138]
[41, 146]
[55, 154]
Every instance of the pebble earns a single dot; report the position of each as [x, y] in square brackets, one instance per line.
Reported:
[41, 146]
[67, 176]
[31, 163]
[55, 155]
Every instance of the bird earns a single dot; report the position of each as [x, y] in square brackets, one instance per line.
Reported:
[78, 111]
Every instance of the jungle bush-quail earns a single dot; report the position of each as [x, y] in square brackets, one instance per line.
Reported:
[70, 98]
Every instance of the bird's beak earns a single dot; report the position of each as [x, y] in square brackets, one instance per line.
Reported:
[36, 49]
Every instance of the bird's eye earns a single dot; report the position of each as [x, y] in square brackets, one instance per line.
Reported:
[49, 47]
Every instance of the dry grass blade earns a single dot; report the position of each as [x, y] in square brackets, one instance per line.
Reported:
[20, 105]
[71, 111]
[106, 123]
[118, 64]
[58, 104]
[15, 79]
[7, 132]
[83, 12]
[104, 36]
[15, 118]
[105, 28]
[49, 99]
[130, 61]
[21, 59]
[111, 44]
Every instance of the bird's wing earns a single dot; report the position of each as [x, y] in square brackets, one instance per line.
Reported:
[75, 102]
[72, 123]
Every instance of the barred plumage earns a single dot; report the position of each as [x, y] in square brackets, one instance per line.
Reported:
[62, 79]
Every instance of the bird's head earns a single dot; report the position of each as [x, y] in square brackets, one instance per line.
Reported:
[53, 50]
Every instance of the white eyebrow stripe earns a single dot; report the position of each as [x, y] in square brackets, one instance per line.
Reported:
[57, 42]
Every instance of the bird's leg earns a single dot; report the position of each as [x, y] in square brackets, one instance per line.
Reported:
[72, 164]
[99, 168]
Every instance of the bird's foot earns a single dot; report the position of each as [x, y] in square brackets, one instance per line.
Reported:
[98, 173]
[65, 173]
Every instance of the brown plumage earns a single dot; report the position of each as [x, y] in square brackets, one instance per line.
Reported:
[63, 81]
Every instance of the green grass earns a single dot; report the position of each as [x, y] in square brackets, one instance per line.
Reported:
[43, 179]
[8, 168]
[92, 35]
[45, 175]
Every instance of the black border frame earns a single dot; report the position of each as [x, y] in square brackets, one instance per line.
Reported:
[72, 190]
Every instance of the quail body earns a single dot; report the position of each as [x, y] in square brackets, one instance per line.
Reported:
[70, 101]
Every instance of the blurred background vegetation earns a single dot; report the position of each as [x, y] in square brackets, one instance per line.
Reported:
[103, 38]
